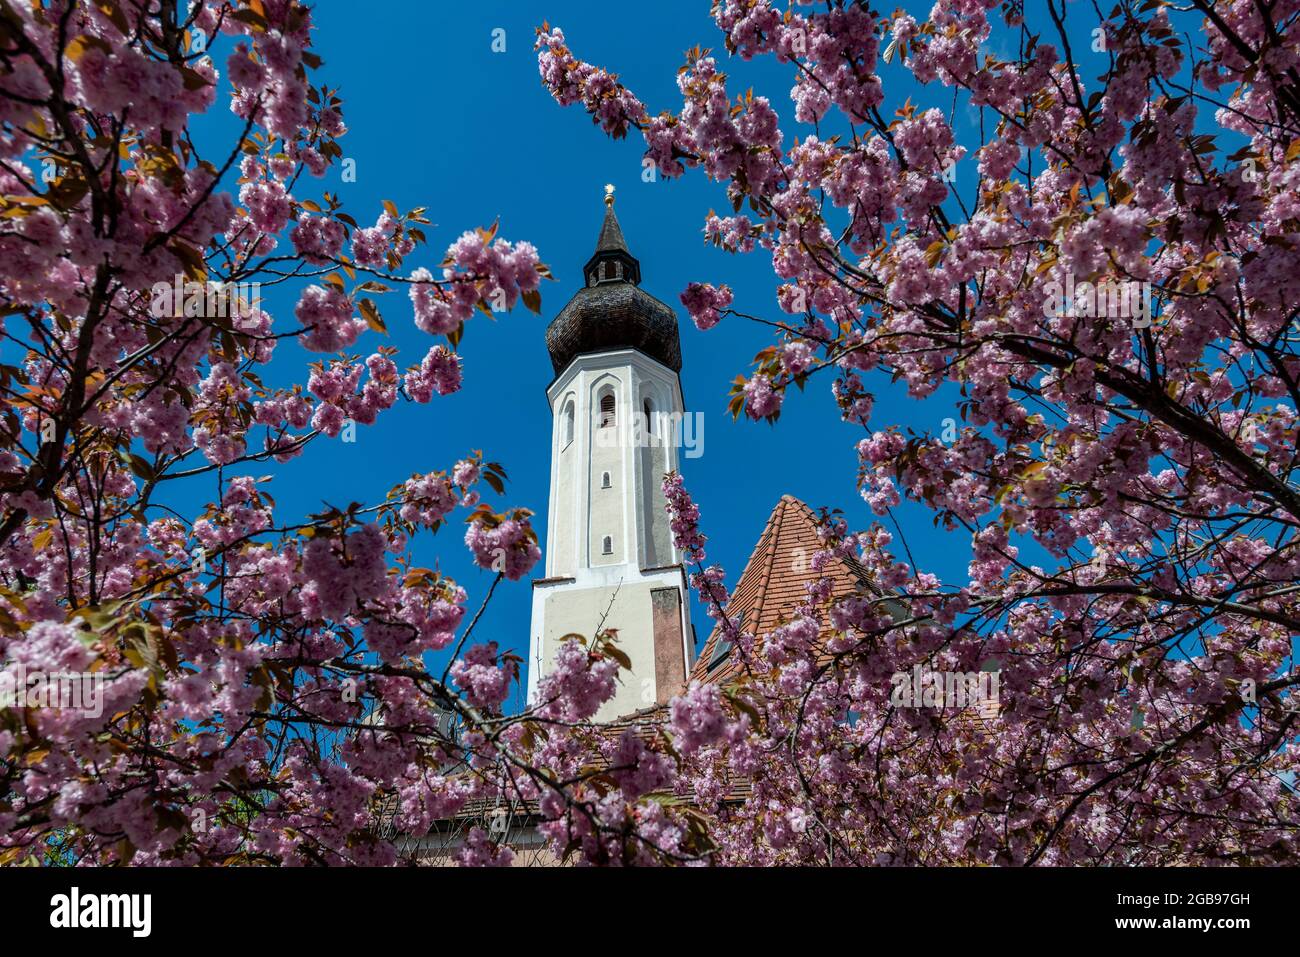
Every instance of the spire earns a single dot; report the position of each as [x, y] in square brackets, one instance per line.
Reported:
[611, 251]
[611, 234]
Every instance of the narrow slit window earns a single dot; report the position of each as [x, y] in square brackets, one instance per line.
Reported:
[607, 546]
[604, 480]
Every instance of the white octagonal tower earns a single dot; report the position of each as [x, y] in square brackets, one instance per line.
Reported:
[617, 421]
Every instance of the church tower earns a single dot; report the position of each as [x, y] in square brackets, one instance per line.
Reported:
[617, 422]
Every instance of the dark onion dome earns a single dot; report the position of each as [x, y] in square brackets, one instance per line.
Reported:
[612, 311]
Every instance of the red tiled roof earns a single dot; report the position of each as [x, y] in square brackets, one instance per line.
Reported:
[775, 581]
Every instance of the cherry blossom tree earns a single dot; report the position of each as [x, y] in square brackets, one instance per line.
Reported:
[259, 681]
[1114, 304]
[264, 682]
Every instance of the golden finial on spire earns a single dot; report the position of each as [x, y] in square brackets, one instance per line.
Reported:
[609, 194]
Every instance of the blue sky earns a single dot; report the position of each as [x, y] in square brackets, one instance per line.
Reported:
[437, 119]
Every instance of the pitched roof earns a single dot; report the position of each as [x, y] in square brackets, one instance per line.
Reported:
[774, 583]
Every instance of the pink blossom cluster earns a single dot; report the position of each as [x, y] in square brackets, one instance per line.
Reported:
[704, 303]
[507, 545]
[477, 272]
[343, 574]
[326, 312]
[317, 239]
[577, 684]
[698, 719]
[484, 676]
[428, 499]
[573, 82]
[336, 385]
[440, 372]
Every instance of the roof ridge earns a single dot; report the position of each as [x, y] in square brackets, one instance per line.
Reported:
[765, 547]
[854, 566]
[768, 562]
